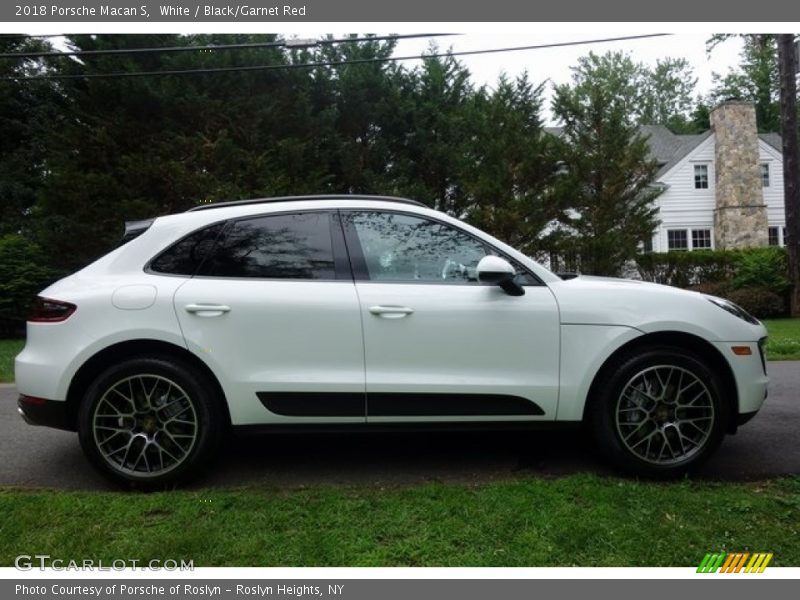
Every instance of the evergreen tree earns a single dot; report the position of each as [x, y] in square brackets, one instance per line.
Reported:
[609, 174]
[28, 113]
[756, 78]
[513, 166]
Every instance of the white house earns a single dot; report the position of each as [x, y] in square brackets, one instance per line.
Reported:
[722, 188]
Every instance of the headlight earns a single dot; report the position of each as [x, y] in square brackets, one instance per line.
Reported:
[734, 309]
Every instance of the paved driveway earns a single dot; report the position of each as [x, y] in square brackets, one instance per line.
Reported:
[765, 447]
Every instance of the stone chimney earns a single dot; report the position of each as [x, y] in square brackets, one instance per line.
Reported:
[740, 215]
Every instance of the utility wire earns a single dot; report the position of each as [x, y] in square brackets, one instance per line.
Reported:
[312, 65]
[12, 36]
[291, 43]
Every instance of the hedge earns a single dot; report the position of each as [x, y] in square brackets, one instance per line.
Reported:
[755, 278]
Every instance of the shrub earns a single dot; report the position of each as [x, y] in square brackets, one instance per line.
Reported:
[683, 269]
[713, 288]
[764, 268]
[22, 275]
[759, 301]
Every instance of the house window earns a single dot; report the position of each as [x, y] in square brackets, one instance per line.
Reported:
[701, 177]
[764, 175]
[773, 237]
[701, 238]
[647, 245]
[677, 239]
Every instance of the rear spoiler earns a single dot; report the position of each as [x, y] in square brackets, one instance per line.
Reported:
[135, 228]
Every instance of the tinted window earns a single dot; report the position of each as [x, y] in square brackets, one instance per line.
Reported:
[186, 256]
[295, 246]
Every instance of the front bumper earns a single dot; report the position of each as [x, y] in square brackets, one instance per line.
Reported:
[749, 373]
[49, 413]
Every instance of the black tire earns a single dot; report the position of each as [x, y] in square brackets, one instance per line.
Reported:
[625, 430]
[183, 395]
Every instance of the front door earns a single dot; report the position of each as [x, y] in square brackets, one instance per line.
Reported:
[439, 345]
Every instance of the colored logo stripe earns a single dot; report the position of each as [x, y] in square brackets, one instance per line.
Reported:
[734, 562]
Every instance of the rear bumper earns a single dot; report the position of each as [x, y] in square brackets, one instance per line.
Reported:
[49, 413]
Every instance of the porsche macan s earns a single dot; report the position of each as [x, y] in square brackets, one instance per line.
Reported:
[370, 311]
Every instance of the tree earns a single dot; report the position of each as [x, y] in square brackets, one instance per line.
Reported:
[430, 142]
[661, 95]
[756, 79]
[28, 112]
[609, 175]
[791, 155]
[512, 167]
[23, 273]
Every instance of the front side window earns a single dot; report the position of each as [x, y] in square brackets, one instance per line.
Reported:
[285, 246]
[677, 239]
[398, 247]
[405, 248]
[701, 177]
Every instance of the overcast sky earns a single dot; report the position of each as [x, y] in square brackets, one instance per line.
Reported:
[554, 63]
[551, 64]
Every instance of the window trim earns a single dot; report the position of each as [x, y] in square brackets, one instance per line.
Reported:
[693, 230]
[707, 176]
[359, 264]
[777, 229]
[341, 262]
[766, 175]
[685, 232]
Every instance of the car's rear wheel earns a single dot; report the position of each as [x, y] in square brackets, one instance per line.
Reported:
[150, 422]
[659, 411]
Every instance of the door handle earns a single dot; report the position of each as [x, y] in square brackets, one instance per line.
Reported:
[391, 312]
[207, 310]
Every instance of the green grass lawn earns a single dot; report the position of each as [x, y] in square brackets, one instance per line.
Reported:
[8, 350]
[578, 520]
[784, 339]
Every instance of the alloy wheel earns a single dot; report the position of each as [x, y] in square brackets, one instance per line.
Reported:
[664, 415]
[145, 425]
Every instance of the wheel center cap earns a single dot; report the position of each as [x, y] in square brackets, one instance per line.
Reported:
[150, 423]
[663, 413]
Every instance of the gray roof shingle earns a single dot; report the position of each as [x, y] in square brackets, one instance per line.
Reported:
[668, 148]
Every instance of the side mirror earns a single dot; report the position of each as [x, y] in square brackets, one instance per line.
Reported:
[498, 271]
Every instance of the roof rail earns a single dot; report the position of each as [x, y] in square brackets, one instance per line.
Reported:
[305, 198]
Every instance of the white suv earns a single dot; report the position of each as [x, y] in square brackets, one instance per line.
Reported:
[343, 310]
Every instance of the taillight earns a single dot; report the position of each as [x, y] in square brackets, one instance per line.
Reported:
[46, 310]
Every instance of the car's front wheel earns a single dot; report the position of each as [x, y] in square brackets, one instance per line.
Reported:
[150, 422]
[659, 411]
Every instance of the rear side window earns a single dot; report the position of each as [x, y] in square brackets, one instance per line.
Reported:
[186, 256]
[286, 246]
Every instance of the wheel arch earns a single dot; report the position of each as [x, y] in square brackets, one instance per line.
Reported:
[680, 340]
[98, 362]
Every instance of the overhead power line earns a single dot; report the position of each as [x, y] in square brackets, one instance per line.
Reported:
[312, 65]
[13, 36]
[291, 43]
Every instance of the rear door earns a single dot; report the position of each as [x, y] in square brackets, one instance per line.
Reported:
[274, 311]
[439, 345]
